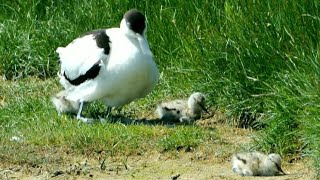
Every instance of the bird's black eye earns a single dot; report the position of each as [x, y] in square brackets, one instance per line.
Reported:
[178, 111]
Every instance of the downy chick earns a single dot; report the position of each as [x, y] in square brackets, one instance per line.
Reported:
[183, 110]
[256, 164]
[64, 105]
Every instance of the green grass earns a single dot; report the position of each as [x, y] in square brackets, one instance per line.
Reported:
[26, 112]
[257, 61]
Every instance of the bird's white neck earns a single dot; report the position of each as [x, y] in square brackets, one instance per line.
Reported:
[144, 46]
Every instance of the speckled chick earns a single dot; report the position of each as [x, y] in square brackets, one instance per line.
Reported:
[256, 164]
[183, 110]
[64, 105]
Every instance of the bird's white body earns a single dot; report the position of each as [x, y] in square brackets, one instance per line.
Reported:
[182, 110]
[126, 72]
[78, 57]
[256, 164]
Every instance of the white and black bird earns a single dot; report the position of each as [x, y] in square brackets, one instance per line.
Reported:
[183, 110]
[114, 65]
[257, 164]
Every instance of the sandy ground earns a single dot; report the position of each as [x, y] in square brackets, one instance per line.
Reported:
[207, 162]
[154, 166]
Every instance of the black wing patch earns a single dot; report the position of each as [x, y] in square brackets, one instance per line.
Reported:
[102, 39]
[172, 109]
[241, 159]
[90, 74]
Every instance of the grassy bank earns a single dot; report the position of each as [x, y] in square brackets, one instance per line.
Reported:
[257, 61]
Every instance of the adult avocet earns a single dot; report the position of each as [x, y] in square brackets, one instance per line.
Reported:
[113, 65]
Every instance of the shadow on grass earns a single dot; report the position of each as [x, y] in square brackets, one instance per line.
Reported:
[102, 117]
[128, 121]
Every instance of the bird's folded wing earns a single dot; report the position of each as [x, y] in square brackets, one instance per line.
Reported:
[81, 55]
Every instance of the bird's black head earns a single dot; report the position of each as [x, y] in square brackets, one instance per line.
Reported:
[135, 21]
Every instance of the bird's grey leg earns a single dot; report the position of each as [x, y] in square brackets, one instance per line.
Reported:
[108, 114]
[80, 110]
[109, 110]
[83, 119]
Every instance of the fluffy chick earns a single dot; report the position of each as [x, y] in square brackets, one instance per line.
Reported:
[64, 105]
[256, 164]
[183, 110]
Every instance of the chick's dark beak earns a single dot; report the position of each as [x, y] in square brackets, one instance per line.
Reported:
[204, 108]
